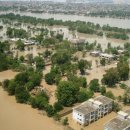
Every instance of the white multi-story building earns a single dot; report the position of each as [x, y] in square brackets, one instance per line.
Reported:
[121, 122]
[92, 110]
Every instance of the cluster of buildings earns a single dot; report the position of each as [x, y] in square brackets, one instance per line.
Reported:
[106, 56]
[96, 108]
[92, 110]
[26, 42]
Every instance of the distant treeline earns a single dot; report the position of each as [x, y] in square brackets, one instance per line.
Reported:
[113, 14]
[122, 36]
[80, 26]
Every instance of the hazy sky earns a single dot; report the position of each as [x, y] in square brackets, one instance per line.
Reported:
[115, 1]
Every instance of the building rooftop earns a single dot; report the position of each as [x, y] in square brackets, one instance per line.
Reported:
[106, 55]
[117, 124]
[77, 40]
[85, 108]
[123, 113]
[103, 99]
[92, 104]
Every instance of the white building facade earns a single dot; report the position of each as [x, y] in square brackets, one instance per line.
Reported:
[92, 110]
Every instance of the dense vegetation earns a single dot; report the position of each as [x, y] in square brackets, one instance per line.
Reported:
[122, 36]
[112, 13]
[17, 33]
[8, 62]
[114, 75]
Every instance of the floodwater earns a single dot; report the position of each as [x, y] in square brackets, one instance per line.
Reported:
[67, 35]
[114, 22]
[15, 116]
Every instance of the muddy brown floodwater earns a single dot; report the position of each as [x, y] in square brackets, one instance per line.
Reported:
[15, 116]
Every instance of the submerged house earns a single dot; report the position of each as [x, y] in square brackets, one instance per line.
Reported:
[76, 42]
[108, 57]
[95, 53]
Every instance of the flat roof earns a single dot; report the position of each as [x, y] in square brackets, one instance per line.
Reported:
[103, 99]
[123, 113]
[106, 55]
[88, 106]
[117, 124]
[85, 108]
[98, 103]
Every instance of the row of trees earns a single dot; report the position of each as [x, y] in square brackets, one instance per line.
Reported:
[122, 36]
[113, 13]
[114, 75]
[83, 27]
[17, 33]
[115, 29]
[8, 62]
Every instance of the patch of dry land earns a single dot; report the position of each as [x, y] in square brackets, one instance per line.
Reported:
[15, 116]
[98, 125]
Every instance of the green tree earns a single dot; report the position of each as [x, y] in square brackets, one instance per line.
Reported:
[116, 107]
[111, 77]
[20, 45]
[47, 53]
[50, 78]
[29, 86]
[67, 93]
[21, 94]
[109, 94]
[84, 95]
[103, 62]
[50, 110]
[11, 87]
[65, 121]
[5, 84]
[123, 70]
[57, 106]
[35, 78]
[40, 101]
[39, 62]
[126, 97]
[22, 78]
[80, 81]
[83, 82]
[57, 117]
[94, 85]
[103, 90]
[4, 64]
[60, 58]
[82, 64]
[21, 58]
[30, 59]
